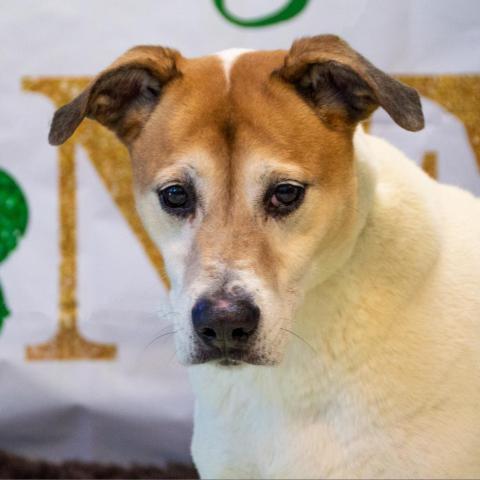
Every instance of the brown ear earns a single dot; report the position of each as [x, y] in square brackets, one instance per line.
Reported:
[344, 87]
[122, 96]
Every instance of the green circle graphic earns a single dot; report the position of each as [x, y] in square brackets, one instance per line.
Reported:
[290, 10]
[13, 223]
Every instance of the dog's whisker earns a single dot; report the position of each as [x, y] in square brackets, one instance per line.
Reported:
[166, 327]
[172, 356]
[157, 338]
[300, 338]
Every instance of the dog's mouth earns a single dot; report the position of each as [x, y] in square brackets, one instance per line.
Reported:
[233, 357]
[228, 362]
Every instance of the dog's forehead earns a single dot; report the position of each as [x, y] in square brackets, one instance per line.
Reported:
[228, 58]
[226, 106]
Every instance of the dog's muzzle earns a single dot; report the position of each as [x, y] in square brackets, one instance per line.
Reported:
[225, 327]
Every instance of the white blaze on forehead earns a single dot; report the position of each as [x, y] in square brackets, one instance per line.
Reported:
[228, 58]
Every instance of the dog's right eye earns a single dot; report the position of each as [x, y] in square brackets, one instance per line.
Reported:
[177, 200]
[283, 198]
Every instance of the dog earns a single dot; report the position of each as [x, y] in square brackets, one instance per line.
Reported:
[326, 290]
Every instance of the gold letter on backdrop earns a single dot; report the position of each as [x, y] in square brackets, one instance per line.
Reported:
[111, 162]
[458, 94]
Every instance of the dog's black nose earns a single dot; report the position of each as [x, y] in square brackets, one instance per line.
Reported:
[225, 322]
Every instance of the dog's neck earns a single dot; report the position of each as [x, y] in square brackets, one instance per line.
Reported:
[348, 316]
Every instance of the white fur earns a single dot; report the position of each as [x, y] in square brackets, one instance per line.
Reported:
[229, 57]
[389, 385]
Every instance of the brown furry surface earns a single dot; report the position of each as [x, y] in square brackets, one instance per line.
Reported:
[14, 466]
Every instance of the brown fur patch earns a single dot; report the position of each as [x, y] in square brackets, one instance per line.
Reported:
[258, 112]
[254, 115]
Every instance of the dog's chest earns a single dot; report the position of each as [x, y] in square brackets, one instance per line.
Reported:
[307, 423]
[266, 426]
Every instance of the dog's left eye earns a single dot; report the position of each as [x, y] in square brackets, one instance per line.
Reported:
[178, 200]
[283, 198]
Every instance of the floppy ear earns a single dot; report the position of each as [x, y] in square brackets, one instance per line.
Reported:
[344, 87]
[121, 97]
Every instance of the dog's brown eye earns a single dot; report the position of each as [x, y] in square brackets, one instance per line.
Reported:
[283, 198]
[175, 196]
[285, 194]
[177, 199]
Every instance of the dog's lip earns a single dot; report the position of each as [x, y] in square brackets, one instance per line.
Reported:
[231, 357]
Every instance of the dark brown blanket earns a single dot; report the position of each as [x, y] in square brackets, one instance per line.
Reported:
[14, 466]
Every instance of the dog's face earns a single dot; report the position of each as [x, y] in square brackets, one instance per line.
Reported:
[240, 186]
[245, 178]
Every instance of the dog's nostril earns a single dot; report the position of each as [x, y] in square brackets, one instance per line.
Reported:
[208, 333]
[240, 334]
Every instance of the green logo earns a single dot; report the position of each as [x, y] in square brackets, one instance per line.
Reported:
[292, 8]
[13, 223]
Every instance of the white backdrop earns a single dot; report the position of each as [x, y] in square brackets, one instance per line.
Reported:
[137, 407]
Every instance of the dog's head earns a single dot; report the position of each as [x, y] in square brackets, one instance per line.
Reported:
[245, 177]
